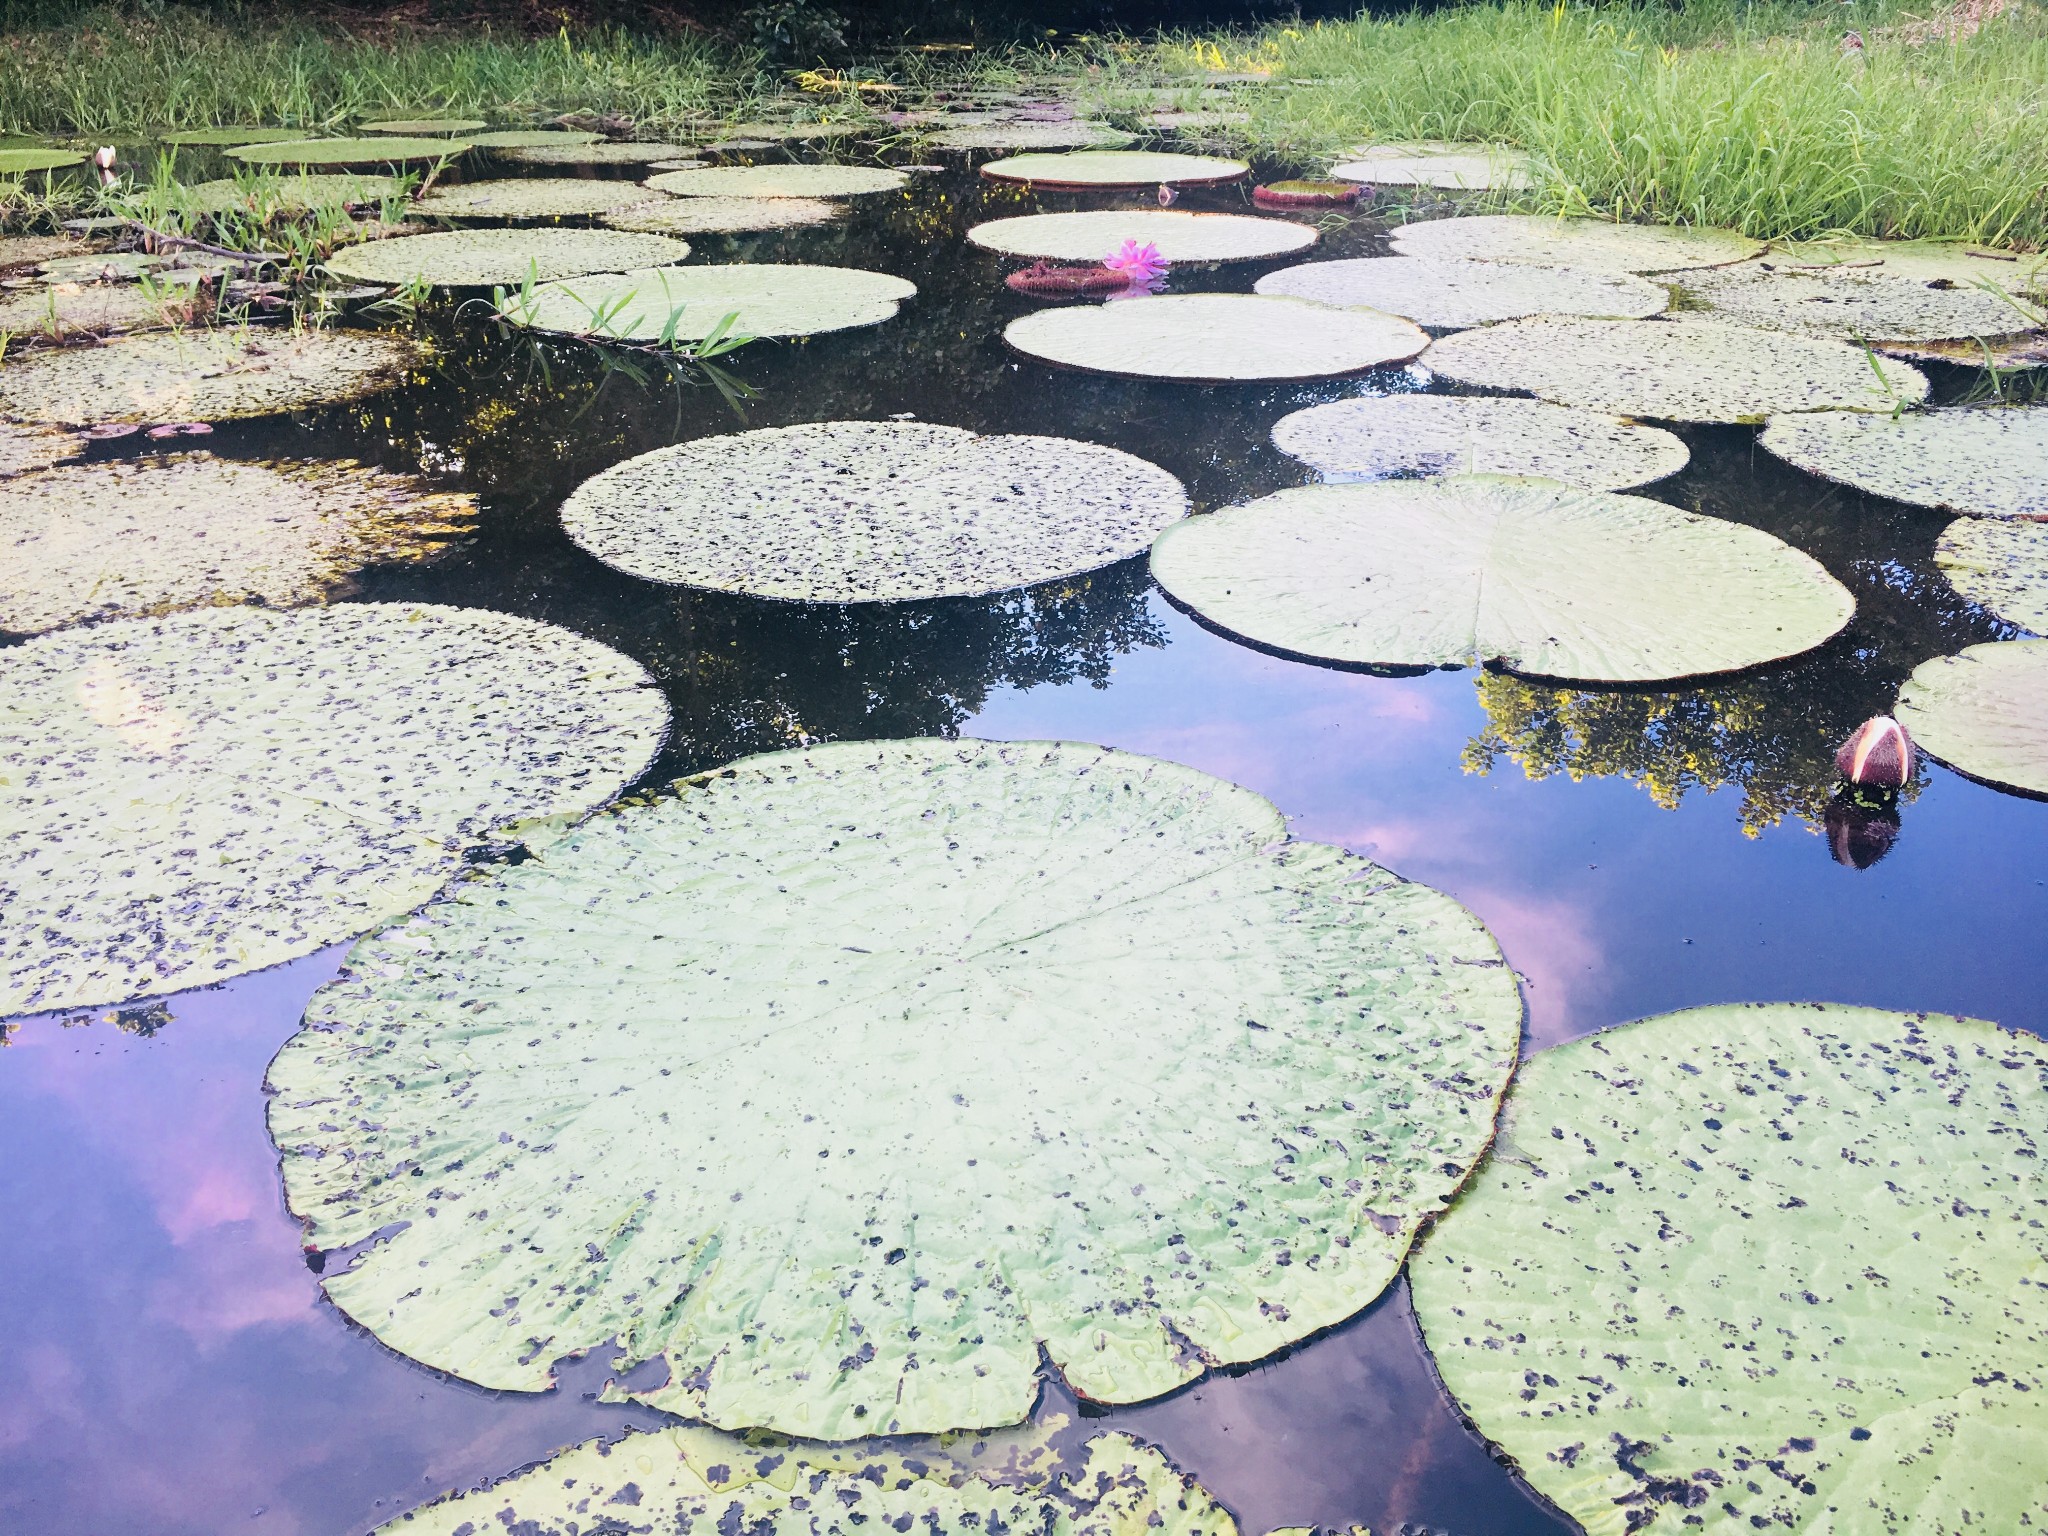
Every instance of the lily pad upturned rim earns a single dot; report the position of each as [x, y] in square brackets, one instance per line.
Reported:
[1854, 305]
[1108, 168]
[1181, 237]
[496, 255]
[1984, 712]
[1078, 133]
[529, 138]
[1547, 240]
[531, 197]
[1447, 294]
[225, 138]
[805, 181]
[21, 160]
[838, 298]
[371, 151]
[1152, 338]
[424, 127]
[1978, 461]
[1465, 167]
[601, 152]
[661, 214]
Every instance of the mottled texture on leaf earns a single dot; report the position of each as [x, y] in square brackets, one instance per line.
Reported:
[1762, 1267]
[136, 536]
[604, 152]
[202, 376]
[956, 1050]
[2004, 566]
[34, 250]
[721, 215]
[528, 138]
[690, 1481]
[1544, 578]
[225, 137]
[1463, 167]
[1691, 372]
[289, 191]
[1216, 336]
[530, 197]
[1984, 712]
[811, 181]
[1180, 237]
[1455, 294]
[375, 150]
[414, 127]
[16, 161]
[23, 449]
[1115, 168]
[782, 131]
[1594, 244]
[480, 257]
[871, 511]
[1926, 261]
[1079, 134]
[190, 798]
[1851, 304]
[1983, 462]
[65, 308]
[1383, 437]
[766, 299]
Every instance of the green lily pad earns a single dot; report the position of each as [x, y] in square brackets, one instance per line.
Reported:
[603, 152]
[23, 449]
[1769, 1266]
[690, 303]
[689, 1481]
[1385, 437]
[871, 511]
[808, 181]
[1593, 244]
[102, 267]
[1461, 167]
[1540, 577]
[1693, 372]
[34, 250]
[779, 132]
[17, 161]
[191, 798]
[390, 150]
[1853, 304]
[1179, 237]
[426, 127]
[1984, 712]
[1115, 168]
[1216, 337]
[721, 215]
[1111, 1001]
[479, 257]
[537, 197]
[202, 376]
[69, 309]
[1926, 261]
[528, 138]
[1456, 294]
[199, 138]
[288, 192]
[2003, 566]
[148, 536]
[1024, 136]
[1980, 462]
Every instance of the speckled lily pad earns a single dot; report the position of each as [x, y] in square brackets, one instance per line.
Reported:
[603, 152]
[16, 160]
[479, 257]
[528, 138]
[289, 191]
[1693, 372]
[871, 511]
[807, 181]
[1385, 437]
[390, 150]
[762, 299]
[1538, 576]
[206, 138]
[780, 132]
[1053, 950]
[1593, 244]
[1851, 304]
[2003, 566]
[68, 309]
[146, 536]
[1025, 136]
[1980, 462]
[1925, 261]
[426, 127]
[28, 448]
[1765, 1267]
[1454, 294]
[1216, 337]
[721, 215]
[536, 197]
[190, 798]
[34, 250]
[1984, 712]
[1115, 168]
[1460, 167]
[1180, 237]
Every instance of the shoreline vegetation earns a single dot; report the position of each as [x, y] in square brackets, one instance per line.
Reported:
[1777, 118]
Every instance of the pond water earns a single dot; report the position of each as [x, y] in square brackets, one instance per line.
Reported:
[169, 1364]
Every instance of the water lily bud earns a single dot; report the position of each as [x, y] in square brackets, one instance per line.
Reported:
[1879, 754]
[1165, 195]
[103, 157]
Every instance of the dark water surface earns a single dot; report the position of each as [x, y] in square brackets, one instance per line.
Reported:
[167, 1364]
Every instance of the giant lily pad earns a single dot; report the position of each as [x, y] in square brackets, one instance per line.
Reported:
[1115, 168]
[27, 448]
[603, 152]
[207, 138]
[779, 131]
[1216, 337]
[1594, 244]
[288, 192]
[1690, 372]
[66, 309]
[1984, 712]
[721, 215]
[810, 181]
[1982, 462]
[34, 250]
[16, 160]
[537, 197]
[426, 127]
[1925, 261]
[690, 303]
[474, 257]
[1460, 167]
[1852, 304]
[871, 511]
[690, 1481]
[1455, 294]
[190, 798]
[1383, 437]
[1538, 576]
[137, 536]
[1078, 134]
[371, 151]
[528, 138]
[2003, 566]
[1180, 237]
[955, 1051]
[1763, 1267]
[202, 376]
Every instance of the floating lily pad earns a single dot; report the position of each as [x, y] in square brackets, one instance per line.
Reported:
[1455, 294]
[603, 152]
[1461, 167]
[691, 164]
[1180, 237]
[34, 250]
[67, 309]
[808, 181]
[1023, 136]
[478, 257]
[1925, 261]
[1115, 168]
[1216, 337]
[528, 138]
[1853, 304]
[146, 536]
[2003, 566]
[1112, 1003]
[1984, 712]
[1771, 1267]
[102, 267]
[1692, 372]
[1538, 576]
[686, 1479]
[18, 160]
[871, 511]
[721, 215]
[778, 132]
[760, 298]
[426, 127]
[230, 137]
[201, 376]
[191, 798]
[535, 197]
[28, 448]
[1980, 462]
[1593, 244]
[390, 150]
[1385, 437]
[1307, 194]
[289, 192]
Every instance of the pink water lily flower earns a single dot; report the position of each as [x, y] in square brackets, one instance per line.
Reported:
[1142, 264]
